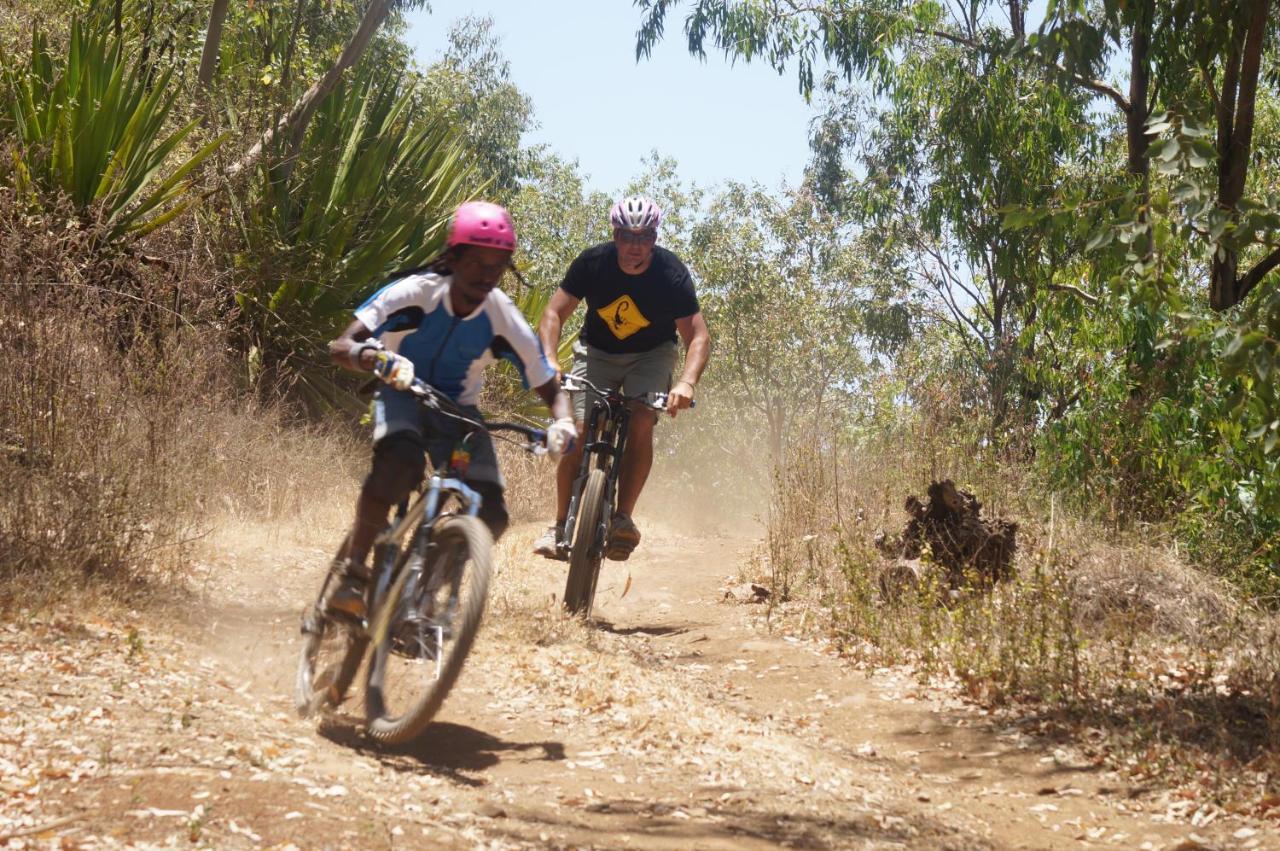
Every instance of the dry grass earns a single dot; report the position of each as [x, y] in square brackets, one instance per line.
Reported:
[124, 437]
[1100, 630]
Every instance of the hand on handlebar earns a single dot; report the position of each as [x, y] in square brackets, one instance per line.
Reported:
[679, 397]
[561, 437]
[394, 369]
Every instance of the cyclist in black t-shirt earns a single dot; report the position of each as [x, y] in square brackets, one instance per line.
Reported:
[639, 298]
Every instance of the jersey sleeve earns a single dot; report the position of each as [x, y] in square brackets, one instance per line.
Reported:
[684, 297]
[397, 298]
[577, 278]
[510, 324]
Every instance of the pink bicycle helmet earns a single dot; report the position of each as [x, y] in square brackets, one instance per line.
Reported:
[635, 213]
[482, 223]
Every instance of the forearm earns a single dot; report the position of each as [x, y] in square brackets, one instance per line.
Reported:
[549, 329]
[342, 351]
[695, 359]
[556, 400]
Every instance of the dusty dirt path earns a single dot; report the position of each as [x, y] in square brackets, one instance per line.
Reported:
[679, 721]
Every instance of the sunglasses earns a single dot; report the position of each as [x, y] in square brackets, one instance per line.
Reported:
[634, 237]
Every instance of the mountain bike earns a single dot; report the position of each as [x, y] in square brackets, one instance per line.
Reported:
[593, 499]
[425, 599]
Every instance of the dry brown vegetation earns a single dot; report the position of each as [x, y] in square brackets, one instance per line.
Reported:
[1104, 633]
[124, 435]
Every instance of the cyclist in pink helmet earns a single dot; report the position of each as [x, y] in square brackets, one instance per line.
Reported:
[482, 223]
[640, 297]
[442, 323]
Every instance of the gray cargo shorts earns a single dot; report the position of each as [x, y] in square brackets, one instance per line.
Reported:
[633, 373]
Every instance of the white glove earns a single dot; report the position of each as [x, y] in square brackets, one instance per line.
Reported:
[561, 436]
[394, 369]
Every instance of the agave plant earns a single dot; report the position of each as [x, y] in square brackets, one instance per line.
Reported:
[507, 392]
[89, 125]
[368, 192]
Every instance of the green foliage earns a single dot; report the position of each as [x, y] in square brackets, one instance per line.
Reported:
[92, 125]
[370, 192]
[471, 88]
[787, 291]
[860, 39]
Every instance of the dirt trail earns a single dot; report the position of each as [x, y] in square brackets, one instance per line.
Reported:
[680, 721]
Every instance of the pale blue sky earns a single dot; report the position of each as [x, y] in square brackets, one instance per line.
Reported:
[595, 104]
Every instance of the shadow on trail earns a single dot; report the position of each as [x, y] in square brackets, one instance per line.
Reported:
[666, 824]
[444, 749]
[1242, 728]
[1228, 729]
[657, 630]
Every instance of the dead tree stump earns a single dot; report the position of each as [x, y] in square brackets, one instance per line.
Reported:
[949, 532]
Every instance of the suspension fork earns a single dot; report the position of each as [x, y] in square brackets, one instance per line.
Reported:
[592, 445]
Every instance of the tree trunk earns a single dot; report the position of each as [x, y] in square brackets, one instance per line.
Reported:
[295, 122]
[212, 41]
[1139, 90]
[1018, 20]
[1235, 141]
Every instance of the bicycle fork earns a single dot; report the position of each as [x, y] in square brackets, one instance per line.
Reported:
[610, 448]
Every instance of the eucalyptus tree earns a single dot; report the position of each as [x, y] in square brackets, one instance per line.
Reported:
[470, 86]
[947, 122]
[1205, 59]
[1192, 63]
[786, 289]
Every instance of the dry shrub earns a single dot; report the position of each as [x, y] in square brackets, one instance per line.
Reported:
[90, 450]
[1124, 578]
[124, 433]
[1098, 628]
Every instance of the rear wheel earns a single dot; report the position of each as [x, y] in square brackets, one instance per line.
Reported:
[425, 627]
[587, 547]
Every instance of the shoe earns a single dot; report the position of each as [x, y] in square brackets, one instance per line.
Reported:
[551, 544]
[624, 537]
[348, 598]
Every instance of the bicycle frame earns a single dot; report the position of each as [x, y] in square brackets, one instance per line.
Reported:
[422, 514]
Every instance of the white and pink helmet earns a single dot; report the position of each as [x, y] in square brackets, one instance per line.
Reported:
[482, 223]
[635, 213]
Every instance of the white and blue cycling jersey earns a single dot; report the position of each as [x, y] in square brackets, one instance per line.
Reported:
[413, 317]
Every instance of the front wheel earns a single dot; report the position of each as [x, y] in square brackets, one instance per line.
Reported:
[425, 626]
[332, 649]
[588, 547]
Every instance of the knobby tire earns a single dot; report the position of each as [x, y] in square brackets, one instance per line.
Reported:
[587, 549]
[473, 536]
[326, 670]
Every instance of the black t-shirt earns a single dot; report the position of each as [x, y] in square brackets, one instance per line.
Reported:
[630, 313]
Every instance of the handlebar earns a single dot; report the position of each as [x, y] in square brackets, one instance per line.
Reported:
[654, 401]
[437, 401]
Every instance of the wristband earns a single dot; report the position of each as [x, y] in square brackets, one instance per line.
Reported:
[355, 354]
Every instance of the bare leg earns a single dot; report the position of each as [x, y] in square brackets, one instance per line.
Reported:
[371, 518]
[637, 459]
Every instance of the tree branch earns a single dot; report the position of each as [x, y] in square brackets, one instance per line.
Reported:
[1256, 274]
[296, 120]
[1087, 298]
[1097, 86]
